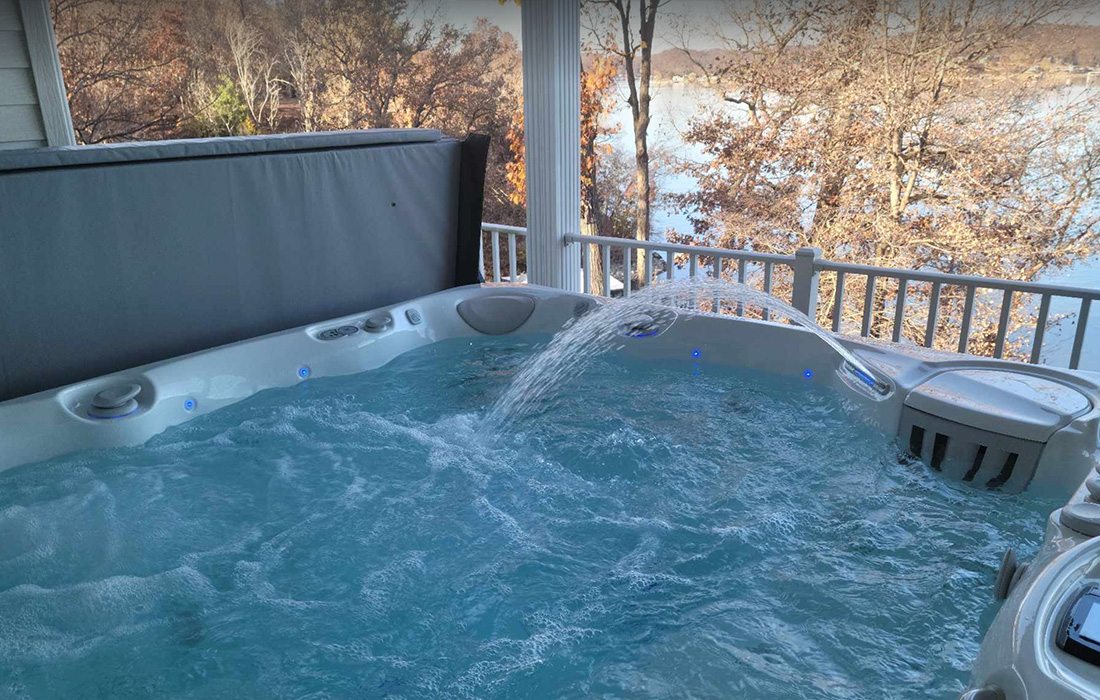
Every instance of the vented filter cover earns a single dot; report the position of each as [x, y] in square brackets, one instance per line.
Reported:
[987, 427]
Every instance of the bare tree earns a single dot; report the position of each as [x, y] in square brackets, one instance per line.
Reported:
[255, 72]
[301, 66]
[124, 67]
[875, 131]
[633, 44]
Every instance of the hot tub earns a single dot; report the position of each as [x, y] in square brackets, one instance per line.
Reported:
[596, 542]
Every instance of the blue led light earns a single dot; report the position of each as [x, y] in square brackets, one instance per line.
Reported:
[867, 379]
[303, 372]
[189, 405]
[696, 353]
[808, 373]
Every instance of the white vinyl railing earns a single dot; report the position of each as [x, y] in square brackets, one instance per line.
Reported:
[970, 286]
[496, 272]
[802, 272]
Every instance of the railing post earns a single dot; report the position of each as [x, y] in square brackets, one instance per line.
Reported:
[481, 254]
[804, 296]
[552, 116]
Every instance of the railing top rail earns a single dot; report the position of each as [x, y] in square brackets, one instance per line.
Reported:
[823, 265]
[681, 248]
[961, 280]
[503, 228]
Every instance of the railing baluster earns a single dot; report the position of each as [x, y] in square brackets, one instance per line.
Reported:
[513, 274]
[668, 264]
[717, 275]
[767, 314]
[496, 256]
[1040, 329]
[628, 253]
[968, 312]
[693, 263]
[648, 261]
[899, 308]
[740, 280]
[868, 306]
[481, 254]
[1002, 324]
[1079, 336]
[605, 252]
[838, 302]
[933, 315]
[586, 268]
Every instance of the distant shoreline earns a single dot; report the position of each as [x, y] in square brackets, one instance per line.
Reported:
[1048, 80]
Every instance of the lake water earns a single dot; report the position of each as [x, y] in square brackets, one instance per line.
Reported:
[673, 108]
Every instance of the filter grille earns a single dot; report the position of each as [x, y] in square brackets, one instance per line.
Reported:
[984, 458]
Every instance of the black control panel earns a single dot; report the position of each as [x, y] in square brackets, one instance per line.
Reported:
[1079, 630]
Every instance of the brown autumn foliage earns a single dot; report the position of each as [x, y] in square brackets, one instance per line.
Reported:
[867, 129]
[125, 67]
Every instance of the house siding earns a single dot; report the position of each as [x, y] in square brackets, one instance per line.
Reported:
[20, 115]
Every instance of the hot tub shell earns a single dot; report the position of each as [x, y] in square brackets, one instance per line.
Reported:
[954, 413]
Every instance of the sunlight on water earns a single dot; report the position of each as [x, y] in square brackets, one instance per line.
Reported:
[659, 530]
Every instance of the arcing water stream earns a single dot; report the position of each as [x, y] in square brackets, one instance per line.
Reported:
[646, 312]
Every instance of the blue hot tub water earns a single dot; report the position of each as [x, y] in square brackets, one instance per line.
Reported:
[656, 530]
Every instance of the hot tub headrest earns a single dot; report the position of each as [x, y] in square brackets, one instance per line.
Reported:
[117, 256]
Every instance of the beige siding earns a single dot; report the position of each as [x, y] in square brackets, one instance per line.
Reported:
[20, 117]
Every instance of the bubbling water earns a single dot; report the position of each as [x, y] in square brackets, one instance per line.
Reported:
[646, 312]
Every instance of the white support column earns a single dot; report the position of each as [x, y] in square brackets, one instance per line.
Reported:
[552, 137]
[46, 67]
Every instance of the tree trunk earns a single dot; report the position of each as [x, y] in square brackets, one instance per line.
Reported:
[638, 84]
[644, 196]
[595, 260]
[642, 199]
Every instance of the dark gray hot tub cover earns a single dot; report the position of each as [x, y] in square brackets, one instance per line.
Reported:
[116, 256]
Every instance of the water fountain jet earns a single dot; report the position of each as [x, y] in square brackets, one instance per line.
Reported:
[649, 312]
